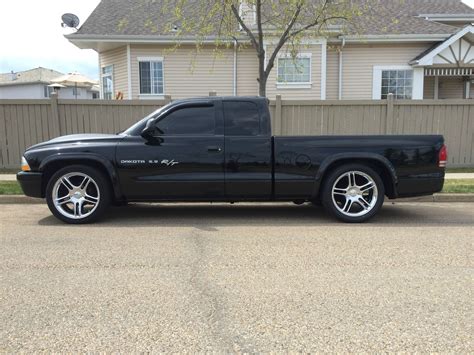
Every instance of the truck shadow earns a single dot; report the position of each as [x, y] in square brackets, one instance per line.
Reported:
[209, 216]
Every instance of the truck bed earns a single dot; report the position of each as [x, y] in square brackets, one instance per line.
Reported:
[411, 160]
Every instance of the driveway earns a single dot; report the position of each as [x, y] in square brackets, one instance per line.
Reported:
[238, 278]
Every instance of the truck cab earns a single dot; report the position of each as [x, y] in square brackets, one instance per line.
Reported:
[200, 149]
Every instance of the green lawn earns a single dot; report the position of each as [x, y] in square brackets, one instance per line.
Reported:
[450, 186]
[10, 188]
[459, 186]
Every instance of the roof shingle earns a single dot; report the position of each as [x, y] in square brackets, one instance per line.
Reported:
[145, 17]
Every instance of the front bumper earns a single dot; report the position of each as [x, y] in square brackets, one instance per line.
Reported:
[31, 183]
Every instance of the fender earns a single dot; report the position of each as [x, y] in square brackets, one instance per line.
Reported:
[327, 162]
[109, 167]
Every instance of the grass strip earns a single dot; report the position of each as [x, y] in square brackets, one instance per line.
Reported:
[450, 186]
[456, 186]
[460, 170]
[10, 188]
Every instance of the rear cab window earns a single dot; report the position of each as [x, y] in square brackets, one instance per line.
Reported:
[241, 118]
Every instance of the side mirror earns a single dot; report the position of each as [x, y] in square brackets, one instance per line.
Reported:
[147, 132]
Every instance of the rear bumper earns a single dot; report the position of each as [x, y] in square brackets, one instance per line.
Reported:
[419, 186]
[31, 183]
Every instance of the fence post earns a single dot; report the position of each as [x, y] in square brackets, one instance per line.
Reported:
[212, 93]
[167, 99]
[55, 114]
[278, 118]
[389, 116]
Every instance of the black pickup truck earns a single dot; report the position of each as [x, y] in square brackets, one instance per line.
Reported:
[222, 149]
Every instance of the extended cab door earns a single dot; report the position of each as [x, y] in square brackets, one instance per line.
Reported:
[248, 150]
[183, 160]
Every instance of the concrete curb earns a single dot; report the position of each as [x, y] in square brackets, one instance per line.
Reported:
[437, 198]
[20, 199]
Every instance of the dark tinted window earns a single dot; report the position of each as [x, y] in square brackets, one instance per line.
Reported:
[241, 118]
[199, 120]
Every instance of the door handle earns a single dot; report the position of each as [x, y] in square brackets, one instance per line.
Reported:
[214, 148]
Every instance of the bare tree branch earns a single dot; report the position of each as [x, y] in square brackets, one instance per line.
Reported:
[244, 26]
[259, 25]
[284, 24]
[282, 40]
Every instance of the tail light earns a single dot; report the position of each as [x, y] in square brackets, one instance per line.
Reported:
[443, 156]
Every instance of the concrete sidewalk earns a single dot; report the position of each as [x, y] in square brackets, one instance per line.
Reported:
[12, 177]
[7, 177]
[459, 176]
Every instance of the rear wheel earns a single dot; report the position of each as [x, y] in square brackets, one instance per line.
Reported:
[353, 193]
[78, 194]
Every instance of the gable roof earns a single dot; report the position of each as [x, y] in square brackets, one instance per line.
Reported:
[38, 75]
[145, 17]
[426, 57]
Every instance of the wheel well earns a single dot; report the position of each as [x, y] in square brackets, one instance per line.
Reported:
[51, 168]
[376, 165]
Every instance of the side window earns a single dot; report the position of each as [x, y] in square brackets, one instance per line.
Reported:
[47, 91]
[151, 77]
[107, 77]
[197, 120]
[241, 118]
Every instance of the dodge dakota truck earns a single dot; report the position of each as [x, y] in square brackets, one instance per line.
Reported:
[222, 149]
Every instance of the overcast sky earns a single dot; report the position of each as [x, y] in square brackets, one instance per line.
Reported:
[31, 36]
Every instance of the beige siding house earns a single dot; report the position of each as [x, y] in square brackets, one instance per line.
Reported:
[427, 53]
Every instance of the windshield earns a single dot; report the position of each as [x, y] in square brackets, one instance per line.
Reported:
[132, 130]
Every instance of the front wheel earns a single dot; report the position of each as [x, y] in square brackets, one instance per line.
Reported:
[78, 194]
[353, 193]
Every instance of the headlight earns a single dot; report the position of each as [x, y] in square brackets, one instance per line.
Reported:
[24, 165]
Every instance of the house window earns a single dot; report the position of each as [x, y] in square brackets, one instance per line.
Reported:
[76, 91]
[294, 70]
[151, 77]
[108, 82]
[47, 91]
[397, 82]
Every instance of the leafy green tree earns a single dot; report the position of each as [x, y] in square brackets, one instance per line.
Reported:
[268, 25]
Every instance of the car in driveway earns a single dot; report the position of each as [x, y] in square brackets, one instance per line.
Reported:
[222, 149]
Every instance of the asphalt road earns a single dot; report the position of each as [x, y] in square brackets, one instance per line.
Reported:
[238, 278]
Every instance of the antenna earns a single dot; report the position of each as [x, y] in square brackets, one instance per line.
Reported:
[70, 20]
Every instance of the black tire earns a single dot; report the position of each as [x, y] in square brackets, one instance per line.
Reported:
[100, 184]
[334, 205]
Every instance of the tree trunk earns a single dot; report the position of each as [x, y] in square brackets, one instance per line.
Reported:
[262, 86]
[262, 77]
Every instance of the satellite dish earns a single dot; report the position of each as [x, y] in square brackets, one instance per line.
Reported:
[70, 20]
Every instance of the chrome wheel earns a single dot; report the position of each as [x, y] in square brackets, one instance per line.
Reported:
[354, 193]
[75, 195]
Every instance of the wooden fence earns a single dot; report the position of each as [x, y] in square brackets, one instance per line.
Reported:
[454, 119]
[26, 122]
